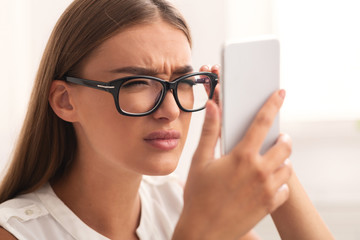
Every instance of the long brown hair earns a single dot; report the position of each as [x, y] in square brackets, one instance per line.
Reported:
[47, 144]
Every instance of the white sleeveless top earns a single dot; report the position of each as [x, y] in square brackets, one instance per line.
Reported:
[41, 215]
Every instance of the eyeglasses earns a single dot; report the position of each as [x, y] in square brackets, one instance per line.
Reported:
[142, 95]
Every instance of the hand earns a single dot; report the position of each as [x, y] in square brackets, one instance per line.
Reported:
[225, 198]
[214, 69]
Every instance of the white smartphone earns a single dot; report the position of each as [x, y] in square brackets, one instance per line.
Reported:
[250, 74]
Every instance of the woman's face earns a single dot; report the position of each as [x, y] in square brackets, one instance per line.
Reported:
[147, 145]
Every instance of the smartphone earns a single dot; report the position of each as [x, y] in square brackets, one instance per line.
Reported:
[250, 74]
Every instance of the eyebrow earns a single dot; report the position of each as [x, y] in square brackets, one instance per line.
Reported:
[151, 71]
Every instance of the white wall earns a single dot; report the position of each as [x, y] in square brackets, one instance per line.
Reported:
[321, 58]
[24, 29]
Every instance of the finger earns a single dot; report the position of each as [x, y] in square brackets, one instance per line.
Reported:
[205, 68]
[281, 175]
[216, 69]
[263, 121]
[280, 188]
[280, 197]
[216, 95]
[278, 153]
[209, 136]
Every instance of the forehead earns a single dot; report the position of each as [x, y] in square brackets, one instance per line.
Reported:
[155, 45]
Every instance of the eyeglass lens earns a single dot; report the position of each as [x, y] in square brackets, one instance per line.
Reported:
[142, 95]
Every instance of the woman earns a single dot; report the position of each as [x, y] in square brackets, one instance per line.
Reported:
[88, 141]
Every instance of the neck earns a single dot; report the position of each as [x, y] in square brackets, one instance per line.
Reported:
[106, 199]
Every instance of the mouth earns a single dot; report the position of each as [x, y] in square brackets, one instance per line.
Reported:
[163, 140]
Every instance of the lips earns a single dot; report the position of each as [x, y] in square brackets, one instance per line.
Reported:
[163, 140]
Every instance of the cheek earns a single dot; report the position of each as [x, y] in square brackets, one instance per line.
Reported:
[103, 126]
[91, 102]
[113, 138]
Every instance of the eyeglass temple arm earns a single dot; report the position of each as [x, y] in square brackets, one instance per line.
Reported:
[90, 83]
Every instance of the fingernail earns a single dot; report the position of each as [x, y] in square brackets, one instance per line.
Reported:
[285, 137]
[283, 187]
[287, 161]
[207, 67]
[282, 93]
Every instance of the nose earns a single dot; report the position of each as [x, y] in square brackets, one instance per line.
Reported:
[168, 110]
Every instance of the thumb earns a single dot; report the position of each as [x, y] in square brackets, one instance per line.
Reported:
[209, 136]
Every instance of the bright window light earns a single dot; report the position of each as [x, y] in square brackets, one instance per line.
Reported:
[320, 43]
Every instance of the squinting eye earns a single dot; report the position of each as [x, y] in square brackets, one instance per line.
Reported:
[135, 83]
[188, 82]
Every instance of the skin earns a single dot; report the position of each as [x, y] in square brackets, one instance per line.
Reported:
[223, 198]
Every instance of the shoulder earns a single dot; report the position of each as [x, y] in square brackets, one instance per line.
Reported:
[18, 216]
[23, 207]
[19, 201]
[5, 235]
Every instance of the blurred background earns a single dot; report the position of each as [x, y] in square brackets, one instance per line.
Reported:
[320, 70]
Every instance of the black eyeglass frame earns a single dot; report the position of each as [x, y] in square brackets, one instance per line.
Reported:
[114, 86]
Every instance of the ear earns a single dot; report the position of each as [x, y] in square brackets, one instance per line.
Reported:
[61, 102]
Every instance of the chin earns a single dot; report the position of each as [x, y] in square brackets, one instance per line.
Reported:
[161, 168]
